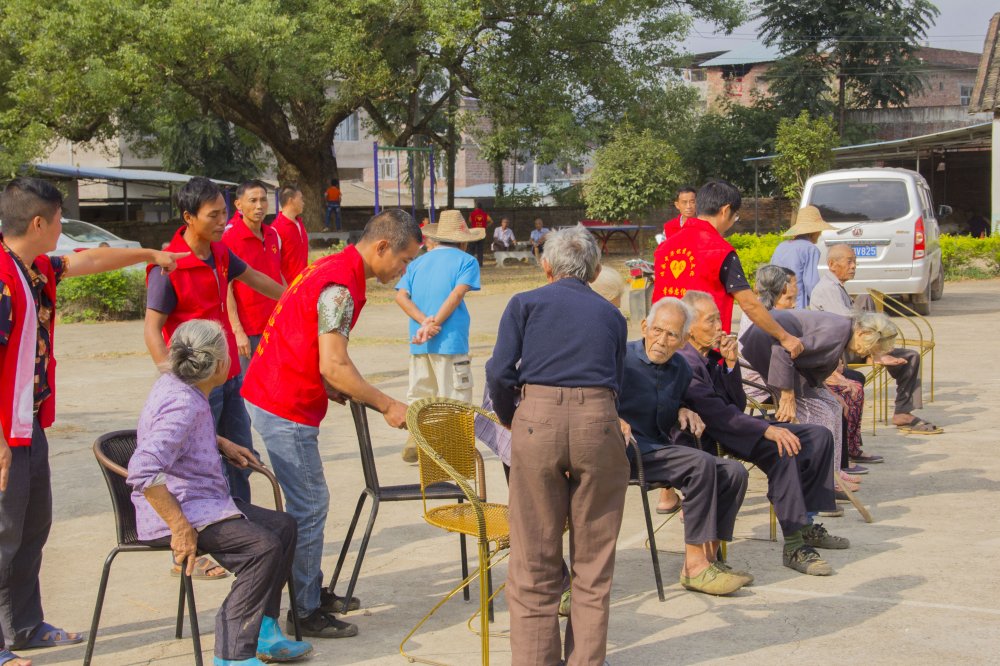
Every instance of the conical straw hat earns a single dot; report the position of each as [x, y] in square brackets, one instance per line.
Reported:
[808, 221]
[451, 228]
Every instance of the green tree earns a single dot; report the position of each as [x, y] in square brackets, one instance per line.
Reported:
[290, 71]
[867, 47]
[805, 147]
[633, 173]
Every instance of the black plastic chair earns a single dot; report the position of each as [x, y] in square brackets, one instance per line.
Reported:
[639, 480]
[378, 493]
[113, 452]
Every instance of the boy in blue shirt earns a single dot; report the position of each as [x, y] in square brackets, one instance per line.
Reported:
[432, 294]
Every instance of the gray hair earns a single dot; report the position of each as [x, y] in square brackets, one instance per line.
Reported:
[771, 282]
[572, 252]
[692, 297]
[196, 348]
[678, 306]
[876, 331]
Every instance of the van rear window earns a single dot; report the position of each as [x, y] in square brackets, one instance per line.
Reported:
[861, 201]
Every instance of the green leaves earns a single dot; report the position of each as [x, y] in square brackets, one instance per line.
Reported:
[805, 147]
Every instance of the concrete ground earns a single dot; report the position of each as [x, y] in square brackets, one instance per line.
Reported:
[916, 587]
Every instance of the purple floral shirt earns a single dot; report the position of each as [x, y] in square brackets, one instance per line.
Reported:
[177, 441]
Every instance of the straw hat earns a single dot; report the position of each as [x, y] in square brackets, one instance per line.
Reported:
[808, 221]
[451, 228]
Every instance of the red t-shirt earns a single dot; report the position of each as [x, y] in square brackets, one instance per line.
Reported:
[253, 308]
[294, 245]
[478, 219]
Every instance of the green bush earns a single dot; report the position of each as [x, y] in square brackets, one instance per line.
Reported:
[754, 251]
[967, 258]
[113, 296]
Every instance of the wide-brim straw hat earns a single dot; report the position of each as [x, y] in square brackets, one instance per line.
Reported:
[808, 221]
[451, 228]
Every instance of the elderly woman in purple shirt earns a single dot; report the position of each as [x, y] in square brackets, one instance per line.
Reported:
[182, 500]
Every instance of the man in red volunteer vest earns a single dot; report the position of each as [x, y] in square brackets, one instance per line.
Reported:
[198, 290]
[300, 365]
[686, 206]
[698, 258]
[478, 219]
[291, 232]
[31, 211]
[258, 245]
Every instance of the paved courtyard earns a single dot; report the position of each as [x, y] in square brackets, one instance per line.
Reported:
[917, 586]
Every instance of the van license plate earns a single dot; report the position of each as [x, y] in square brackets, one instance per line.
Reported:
[865, 251]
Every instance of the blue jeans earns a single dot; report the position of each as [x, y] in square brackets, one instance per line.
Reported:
[245, 361]
[333, 208]
[295, 459]
[233, 423]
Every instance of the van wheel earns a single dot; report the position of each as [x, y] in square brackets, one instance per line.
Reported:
[921, 303]
[937, 289]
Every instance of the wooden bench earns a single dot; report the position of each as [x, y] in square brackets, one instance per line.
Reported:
[514, 255]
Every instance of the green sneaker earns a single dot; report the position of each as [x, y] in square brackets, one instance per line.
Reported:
[713, 580]
[745, 575]
[816, 536]
[564, 603]
[806, 560]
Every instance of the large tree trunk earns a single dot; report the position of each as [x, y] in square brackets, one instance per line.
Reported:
[311, 173]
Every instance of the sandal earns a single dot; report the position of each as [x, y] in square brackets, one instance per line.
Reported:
[45, 635]
[202, 566]
[6, 657]
[918, 426]
[669, 511]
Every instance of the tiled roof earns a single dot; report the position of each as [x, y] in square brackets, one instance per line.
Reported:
[986, 92]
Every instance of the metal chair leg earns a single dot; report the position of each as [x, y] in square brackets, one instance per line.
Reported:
[99, 606]
[192, 610]
[723, 551]
[465, 565]
[362, 549]
[295, 615]
[652, 545]
[484, 596]
[774, 523]
[347, 541]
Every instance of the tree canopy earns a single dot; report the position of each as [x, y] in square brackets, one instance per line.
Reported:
[805, 147]
[547, 74]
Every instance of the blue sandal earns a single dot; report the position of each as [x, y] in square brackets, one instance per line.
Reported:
[48, 636]
[7, 656]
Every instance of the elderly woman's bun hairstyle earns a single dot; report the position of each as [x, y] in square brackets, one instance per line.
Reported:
[196, 348]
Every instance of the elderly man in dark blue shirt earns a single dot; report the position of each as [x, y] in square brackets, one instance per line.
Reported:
[655, 382]
[561, 348]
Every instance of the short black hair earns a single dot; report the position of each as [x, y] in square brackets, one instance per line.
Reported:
[287, 193]
[196, 193]
[394, 225]
[250, 185]
[23, 200]
[335, 182]
[684, 190]
[715, 194]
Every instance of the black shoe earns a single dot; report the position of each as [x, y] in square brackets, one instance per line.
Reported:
[321, 624]
[331, 603]
[817, 536]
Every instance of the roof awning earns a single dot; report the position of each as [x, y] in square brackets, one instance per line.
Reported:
[974, 136]
[116, 174]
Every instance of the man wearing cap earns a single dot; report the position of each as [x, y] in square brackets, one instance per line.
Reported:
[432, 293]
[800, 254]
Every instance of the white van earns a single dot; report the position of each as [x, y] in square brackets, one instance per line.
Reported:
[886, 215]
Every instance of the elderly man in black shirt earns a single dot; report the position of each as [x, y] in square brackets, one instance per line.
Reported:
[655, 382]
[561, 347]
[797, 459]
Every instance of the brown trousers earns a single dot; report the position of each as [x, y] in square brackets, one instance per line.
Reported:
[568, 461]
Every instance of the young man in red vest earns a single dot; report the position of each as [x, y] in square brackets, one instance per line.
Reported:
[303, 352]
[31, 211]
[478, 219]
[291, 232]
[198, 290]
[686, 207]
[698, 258]
[256, 244]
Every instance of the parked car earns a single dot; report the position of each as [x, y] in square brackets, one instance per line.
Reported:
[77, 235]
[887, 216]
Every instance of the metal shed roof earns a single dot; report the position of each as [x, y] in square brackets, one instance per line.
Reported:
[747, 54]
[113, 173]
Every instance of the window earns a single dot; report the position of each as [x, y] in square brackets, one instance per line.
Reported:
[388, 166]
[861, 200]
[964, 95]
[347, 130]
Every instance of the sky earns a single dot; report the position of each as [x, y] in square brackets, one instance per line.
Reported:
[961, 25]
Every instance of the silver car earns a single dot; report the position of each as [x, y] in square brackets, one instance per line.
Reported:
[887, 216]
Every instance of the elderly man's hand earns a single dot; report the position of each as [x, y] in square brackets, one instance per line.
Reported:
[690, 421]
[184, 544]
[395, 415]
[890, 361]
[793, 345]
[788, 443]
[626, 430]
[786, 407]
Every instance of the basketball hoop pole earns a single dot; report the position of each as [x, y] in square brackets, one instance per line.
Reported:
[378, 209]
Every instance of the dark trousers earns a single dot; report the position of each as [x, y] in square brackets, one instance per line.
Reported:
[801, 484]
[259, 551]
[25, 519]
[907, 377]
[233, 423]
[476, 250]
[713, 489]
[568, 462]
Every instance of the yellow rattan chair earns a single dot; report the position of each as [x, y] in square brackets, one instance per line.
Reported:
[446, 447]
[919, 335]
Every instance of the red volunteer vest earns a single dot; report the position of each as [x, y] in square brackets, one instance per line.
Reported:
[671, 227]
[283, 377]
[201, 293]
[478, 218]
[294, 246]
[254, 308]
[690, 260]
[17, 357]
